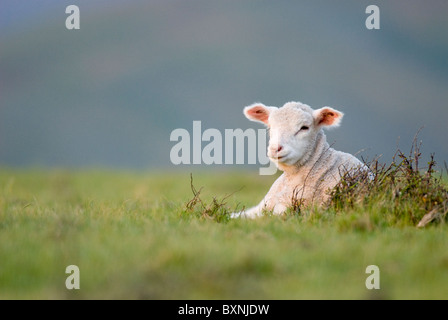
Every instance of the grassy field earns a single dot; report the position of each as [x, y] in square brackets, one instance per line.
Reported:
[132, 237]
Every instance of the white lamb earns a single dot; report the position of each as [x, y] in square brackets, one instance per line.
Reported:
[299, 148]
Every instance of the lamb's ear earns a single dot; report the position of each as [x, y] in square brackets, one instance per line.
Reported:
[258, 112]
[327, 117]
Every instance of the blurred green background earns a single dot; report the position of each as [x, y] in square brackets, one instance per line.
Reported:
[109, 94]
[107, 97]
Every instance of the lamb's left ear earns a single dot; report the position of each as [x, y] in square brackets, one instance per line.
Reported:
[327, 117]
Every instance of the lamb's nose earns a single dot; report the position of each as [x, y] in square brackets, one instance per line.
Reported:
[279, 148]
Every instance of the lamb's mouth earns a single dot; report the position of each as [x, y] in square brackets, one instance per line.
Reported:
[280, 158]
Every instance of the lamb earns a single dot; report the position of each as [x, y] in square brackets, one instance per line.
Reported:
[299, 148]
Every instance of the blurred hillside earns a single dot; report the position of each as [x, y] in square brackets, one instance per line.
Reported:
[110, 93]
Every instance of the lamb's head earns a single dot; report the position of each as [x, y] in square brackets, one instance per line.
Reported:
[293, 129]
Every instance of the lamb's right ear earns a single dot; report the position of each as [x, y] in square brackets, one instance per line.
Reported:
[258, 112]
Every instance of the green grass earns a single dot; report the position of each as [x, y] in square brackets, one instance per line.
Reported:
[132, 237]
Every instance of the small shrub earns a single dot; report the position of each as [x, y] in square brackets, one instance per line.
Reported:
[216, 210]
[402, 191]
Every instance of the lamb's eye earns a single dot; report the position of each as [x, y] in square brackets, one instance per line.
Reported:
[303, 128]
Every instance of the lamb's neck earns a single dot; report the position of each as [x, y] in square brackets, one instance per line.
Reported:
[321, 149]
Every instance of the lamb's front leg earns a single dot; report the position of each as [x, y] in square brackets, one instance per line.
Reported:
[274, 201]
[257, 211]
[251, 213]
